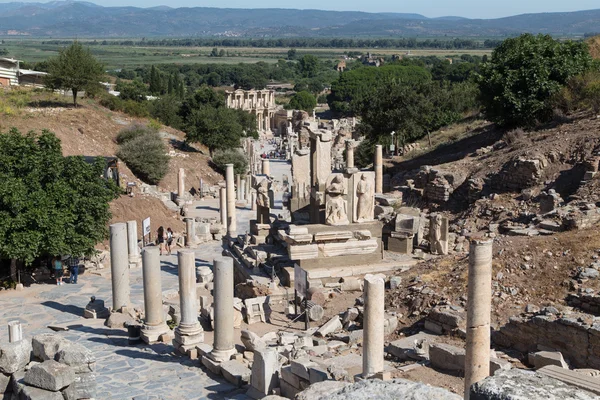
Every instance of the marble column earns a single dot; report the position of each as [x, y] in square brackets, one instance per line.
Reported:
[132, 243]
[243, 190]
[181, 183]
[223, 205]
[119, 266]
[266, 167]
[248, 187]
[373, 336]
[190, 232]
[253, 200]
[238, 186]
[477, 359]
[378, 164]
[349, 154]
[224, 345]
[15, 332]
[154, 322]
[189, 332]
[231, 218]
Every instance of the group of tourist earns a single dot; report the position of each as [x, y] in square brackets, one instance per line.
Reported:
[72, 263]
[165, 240]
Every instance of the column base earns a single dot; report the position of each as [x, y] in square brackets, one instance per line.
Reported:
[152, 333]
[188, 335]
[222, 355]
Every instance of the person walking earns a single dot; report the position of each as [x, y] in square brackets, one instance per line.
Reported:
[160, 233]
[73, 268]
[58, 270]
[169, 240]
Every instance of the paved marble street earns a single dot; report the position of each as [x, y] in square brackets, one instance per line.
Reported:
[124, 371]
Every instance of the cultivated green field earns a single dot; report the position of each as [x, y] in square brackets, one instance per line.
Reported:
[116, 56]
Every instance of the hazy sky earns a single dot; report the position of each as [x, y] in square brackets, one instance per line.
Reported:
[429, 8]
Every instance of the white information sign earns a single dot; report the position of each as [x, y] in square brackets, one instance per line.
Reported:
[146, 226]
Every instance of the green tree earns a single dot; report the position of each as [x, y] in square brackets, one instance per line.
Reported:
[309, 66]
[49, 204]
[291, 54]
[303, 101]
[73, 69]
[216, 128]
[524, 73]
[155, 85]
[135, 90]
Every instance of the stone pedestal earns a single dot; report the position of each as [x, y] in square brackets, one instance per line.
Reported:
[224, 346]
[154, 323]
[378, 165]
[373, 327]
[477, 359]
[190, 232]
[265, 369]
[132, 243]
[349, 154]
[15, 332]
[266, 167]
[231, 218]
[243, 190]
[401, 243]
[223, 205]
[119, 266]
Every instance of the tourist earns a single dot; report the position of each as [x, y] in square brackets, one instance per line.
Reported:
[161, 239]
[58, 270]
[73, 268]
[169, 240]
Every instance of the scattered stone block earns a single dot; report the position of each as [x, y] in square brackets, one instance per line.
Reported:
[212, 365]
[497, 364]
[572, 378]
[288, 390]
[289, 377]
[96, 309]
[300, 367]
[252, 341]
[255, 309]
[236, 372]
[5, 386]
[14, 356]
[33, 393]
[317, 373]
[50, 375]
[447, 357]
[334, 324]
[46, 345]
[544, 358]
[395, 282]
[265, 371]
[350, 315]
[78, 357]
[415, 347]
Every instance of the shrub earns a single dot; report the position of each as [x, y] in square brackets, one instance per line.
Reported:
[322, 99]
[133, 131]
[135, 109]
[303, 101]
[146, 156]
[364, 153]
[223, 157]
[582, 92]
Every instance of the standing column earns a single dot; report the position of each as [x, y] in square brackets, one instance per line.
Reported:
[374, 293]
[154, 323]
[189, 332]
[223, 205]
[349, 154]
[181, 183]
[243, 190]
[248, 187]
[231, 220]
[190, 232]
[477, 359]
[15, 332]
[132, 243]
[238, 185]
[266, 167]
[223, 346]
[253, 200]
[119, 266]
[378, 168]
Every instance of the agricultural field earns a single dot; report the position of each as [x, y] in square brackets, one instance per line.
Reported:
[117, 56]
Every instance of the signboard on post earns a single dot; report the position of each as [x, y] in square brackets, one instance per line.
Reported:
[145, 230]
[300, 281]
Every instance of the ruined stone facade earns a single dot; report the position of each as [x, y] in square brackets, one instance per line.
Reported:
[258, 102]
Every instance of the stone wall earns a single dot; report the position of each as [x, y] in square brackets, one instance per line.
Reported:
[521, 173]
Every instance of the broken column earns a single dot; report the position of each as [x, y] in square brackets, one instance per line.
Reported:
[154, 322]
[15, 332]
[243, 189]
[189, 332]
[132, 243]
[266, 167]
[373, 334]
[378, 165]
[223, 346]
[181, 183]
[477, 359]
[223, 205]
[119, 266]
[190, 232]
[231, 220]
[349, 154]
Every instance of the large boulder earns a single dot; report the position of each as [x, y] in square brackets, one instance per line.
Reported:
[14, 356]
[321, 390]
[50, 375]
[78, 357]
[375, 389]
[46, 345]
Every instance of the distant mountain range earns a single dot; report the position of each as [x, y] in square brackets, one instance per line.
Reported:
[84, 19]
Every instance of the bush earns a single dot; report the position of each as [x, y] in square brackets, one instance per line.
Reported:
[129, 107]
[224, 157]
[582, 92]
[303, 101]
[133, 131]
[145, 154]
[322, 99]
